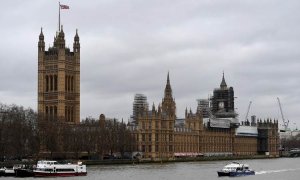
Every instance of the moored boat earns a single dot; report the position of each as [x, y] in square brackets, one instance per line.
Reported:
[9, 172]
[53, 168]
[24, 171]
[236, 169]
[2, 171]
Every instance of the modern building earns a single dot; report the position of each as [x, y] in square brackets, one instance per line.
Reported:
[59, 79]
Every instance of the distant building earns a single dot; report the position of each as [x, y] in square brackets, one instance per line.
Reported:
[289, 134]
[59, 80]
[160, 134]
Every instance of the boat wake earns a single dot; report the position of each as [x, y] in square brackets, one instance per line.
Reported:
[275, 171]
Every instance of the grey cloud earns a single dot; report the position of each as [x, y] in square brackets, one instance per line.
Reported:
[129, 46]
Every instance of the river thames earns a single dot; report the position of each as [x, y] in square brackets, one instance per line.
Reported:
[266, 169]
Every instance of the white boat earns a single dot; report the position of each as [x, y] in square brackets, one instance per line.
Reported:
[7, 172]
[236, 169]
[53, 168]
[2, 172]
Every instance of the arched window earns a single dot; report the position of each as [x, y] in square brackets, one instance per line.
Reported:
[55, 82]
[69, 114]
[47, 83]
[51, 83]
[72, 113]
[55, 112]
[66, 82]
[47, 112]
[69, 84]
[66, 113]
[72, 84]
[51, 113]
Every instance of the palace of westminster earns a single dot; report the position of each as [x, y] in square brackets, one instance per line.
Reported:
[213, 129]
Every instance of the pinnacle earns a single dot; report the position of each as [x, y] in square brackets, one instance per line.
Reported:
[223, 83]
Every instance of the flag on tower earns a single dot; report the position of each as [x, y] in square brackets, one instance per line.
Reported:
[64, 6]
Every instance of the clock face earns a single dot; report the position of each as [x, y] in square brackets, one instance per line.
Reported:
[221, 105]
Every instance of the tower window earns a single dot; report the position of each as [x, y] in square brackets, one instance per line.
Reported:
[66, 83]
[55, 82]
[47, 112]
[51, 113]
[66, 113]
[55, 112]
[47, 82]
[72, 84]
[51, 83]
[71, 113]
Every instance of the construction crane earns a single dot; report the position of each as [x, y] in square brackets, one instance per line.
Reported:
[246, 118]
[285, 123]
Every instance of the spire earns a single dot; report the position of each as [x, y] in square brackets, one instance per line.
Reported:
[41, 43]
[223, 84]
[168, 89]
[168, 78]
[153, 107]
[168, 103]
[159, 108]
[59, 40]
[61, 34]
[76, 38]
[41, 37]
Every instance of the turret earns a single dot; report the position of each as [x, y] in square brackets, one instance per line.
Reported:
[41, 44]
[159, 109]
[153, 108]
[186, 112]
[76, 44]
[60, 40]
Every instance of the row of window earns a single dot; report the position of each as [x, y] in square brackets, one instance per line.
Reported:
[186, 148]
[52, 82]
[69, 83]
[51, 113]
[69, 113]
[216, 148]
[147, 125]
[156, 148]
[163, 137]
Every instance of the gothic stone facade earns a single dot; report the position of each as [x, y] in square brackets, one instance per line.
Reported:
[159, 137]
[59, 80]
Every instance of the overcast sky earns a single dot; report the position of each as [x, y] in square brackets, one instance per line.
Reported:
[128, 47]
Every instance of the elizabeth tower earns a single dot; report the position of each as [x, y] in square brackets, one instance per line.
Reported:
[59, 80]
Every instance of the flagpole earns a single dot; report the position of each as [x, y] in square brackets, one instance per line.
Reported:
[58, 16]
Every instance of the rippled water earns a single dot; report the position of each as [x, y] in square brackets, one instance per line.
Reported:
[266, 169]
